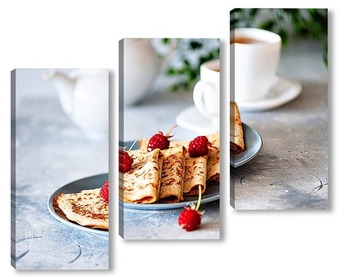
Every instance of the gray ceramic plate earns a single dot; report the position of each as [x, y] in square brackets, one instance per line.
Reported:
[91, 182]
[211, 194]
[253, 144]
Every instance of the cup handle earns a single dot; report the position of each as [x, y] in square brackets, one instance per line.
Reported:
[198, 100]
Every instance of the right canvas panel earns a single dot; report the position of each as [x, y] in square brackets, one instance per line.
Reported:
[279, 109]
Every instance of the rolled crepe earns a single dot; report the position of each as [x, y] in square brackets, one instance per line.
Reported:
[213, 164]
[141, 183]
[236, 130]
[213, 159]
[195, 174]
[173, 172]
[211, 170]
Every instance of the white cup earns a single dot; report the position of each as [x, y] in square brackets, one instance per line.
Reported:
[206, 92]
[254, 60]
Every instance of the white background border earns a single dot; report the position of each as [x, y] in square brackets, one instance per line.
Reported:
[85, 33]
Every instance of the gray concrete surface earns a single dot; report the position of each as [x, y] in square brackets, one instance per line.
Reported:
[292, 169]
[48, 153]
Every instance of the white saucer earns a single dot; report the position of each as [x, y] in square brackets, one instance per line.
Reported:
[282, 92]
[192, 120]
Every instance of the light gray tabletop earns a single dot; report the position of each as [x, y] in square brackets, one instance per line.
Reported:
[49, 152]
[291, 170]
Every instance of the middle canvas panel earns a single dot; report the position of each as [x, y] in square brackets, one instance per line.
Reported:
[169, 138]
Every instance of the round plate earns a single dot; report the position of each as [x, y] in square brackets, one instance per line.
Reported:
[211, 194]
[282, 92]
[253, 145]
[91, 182]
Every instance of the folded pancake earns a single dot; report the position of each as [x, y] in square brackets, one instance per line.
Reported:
[141, 183]
[173, 172]
[236, 130]
[195, 174]
[87, 208]
[213, 164]
[213, 159]
[143, 143]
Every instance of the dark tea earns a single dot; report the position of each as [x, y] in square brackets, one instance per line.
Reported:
[246, 40]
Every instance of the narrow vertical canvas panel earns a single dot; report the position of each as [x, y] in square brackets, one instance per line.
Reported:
[158, 176]
[59, 147]
[279, 136]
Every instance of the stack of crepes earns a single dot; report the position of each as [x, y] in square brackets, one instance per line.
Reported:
[166, 176]
[237, 144]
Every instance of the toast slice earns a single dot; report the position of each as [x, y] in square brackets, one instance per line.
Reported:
[87, 208]
[173, 172]
[141, 183]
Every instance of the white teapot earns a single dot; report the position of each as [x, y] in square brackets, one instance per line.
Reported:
[140, 64]
[83, 94]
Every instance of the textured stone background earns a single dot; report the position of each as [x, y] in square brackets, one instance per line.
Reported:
[291, 171]
[49, 153]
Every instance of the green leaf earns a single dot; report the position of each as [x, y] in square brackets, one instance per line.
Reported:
[268, 24]
[310, 23]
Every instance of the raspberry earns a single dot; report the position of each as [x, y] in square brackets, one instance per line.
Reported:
[160, 141]
[199, 146]
[104, 192]
[190, 218]
[125, 161]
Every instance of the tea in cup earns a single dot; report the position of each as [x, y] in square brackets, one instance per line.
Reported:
[206, 92]
[255, 56]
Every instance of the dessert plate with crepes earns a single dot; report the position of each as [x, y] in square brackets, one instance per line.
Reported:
[169, 178]
[79, 205]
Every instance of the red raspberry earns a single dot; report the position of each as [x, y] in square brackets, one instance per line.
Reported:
[190, 218]
[104, 192]
[125, 161]
[199, 146]
[160, 141]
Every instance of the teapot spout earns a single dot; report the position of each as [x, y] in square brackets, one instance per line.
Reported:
[64, 86]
